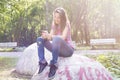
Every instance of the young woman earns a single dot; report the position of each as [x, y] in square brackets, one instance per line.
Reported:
[61, 41]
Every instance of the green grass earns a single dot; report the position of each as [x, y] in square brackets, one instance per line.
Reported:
[110, 61]
[6, 49]
[7, 63]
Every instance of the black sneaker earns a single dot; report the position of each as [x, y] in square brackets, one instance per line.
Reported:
[52, 72]
[42, 67]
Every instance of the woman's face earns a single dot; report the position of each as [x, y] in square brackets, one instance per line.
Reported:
[57, 18]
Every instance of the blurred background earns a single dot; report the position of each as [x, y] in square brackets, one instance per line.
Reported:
[22, 20]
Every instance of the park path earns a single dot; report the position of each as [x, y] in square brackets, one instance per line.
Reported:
[94, 52]
[81, 52]
[10, 54]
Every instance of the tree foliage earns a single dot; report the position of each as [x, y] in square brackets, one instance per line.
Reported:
[21, 20]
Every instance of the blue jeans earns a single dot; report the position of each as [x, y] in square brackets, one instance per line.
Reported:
[58, 47]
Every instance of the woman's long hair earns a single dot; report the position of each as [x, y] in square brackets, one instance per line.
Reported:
[63, 17]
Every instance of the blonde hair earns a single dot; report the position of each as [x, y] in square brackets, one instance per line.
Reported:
[63, 17]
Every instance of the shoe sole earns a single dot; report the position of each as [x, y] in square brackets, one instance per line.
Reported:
[36, 73]
[50, 78]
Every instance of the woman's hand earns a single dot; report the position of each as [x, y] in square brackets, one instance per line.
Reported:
[46, 35]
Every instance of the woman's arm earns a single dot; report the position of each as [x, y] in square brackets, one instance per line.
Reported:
[65, 33]
[50, 35]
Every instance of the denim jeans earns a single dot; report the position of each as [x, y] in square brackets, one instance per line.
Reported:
[58, 47]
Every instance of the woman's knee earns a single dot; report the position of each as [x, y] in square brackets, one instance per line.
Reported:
[39, 40]
[57, 40]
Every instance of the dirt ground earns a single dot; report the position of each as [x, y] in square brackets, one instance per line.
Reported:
[12, 75]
